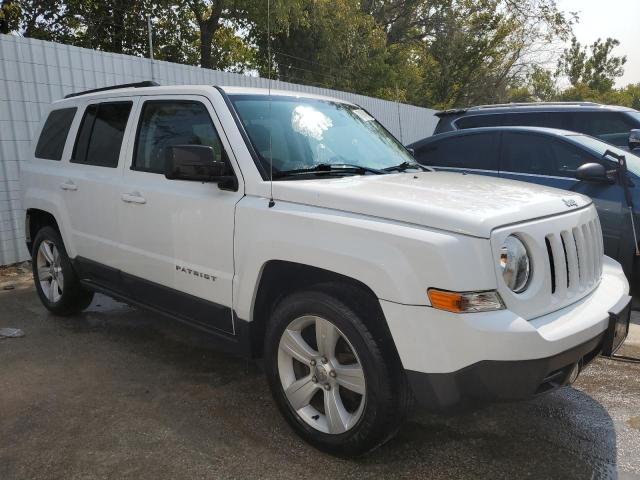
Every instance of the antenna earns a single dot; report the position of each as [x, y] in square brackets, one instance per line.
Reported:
[399, 116]
[271, 201]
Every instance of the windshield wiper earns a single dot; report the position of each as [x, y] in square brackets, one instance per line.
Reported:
[329, 168]
[404, 166]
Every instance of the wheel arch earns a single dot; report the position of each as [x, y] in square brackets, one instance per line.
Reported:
[36, 219]
[280, 278]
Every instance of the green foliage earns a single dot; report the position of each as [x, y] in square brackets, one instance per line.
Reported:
[598, 68]
[10, 12]
[436, 53]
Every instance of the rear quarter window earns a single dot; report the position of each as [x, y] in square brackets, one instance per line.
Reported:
[54, 133]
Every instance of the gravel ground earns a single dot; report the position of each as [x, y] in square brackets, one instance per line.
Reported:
[122, 393]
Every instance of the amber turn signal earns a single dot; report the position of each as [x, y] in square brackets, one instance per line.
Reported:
[465, 302]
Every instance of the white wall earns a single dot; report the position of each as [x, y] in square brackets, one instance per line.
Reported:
[33, 73]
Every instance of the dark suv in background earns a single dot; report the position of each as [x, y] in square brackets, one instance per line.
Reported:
[609, 123]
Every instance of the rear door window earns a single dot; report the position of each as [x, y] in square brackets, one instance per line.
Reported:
[101, 132]
[478, 151]
[166, 123]
[54, 134]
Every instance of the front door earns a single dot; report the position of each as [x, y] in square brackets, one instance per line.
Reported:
[178, 234]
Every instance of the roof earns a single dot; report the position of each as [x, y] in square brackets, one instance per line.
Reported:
[532, 107]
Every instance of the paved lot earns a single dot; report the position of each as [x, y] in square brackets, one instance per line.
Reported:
[122, 393]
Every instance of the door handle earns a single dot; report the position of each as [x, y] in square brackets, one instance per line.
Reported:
[133, 197]
[69, 185]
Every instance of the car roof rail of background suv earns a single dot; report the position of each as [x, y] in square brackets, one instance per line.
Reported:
[454, 111]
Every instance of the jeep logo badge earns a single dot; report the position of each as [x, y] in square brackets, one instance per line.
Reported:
[570, 202]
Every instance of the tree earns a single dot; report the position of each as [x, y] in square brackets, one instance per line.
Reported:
[329, 43]
[542, 84]
[9, 15]
[598, 68]
[208, 15]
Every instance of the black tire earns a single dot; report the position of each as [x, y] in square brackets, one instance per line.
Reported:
[73, 298]
[386, 400]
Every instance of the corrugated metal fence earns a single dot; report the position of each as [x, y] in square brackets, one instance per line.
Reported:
[33, 73]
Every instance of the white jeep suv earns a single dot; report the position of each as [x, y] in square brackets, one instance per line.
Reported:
[294, 228]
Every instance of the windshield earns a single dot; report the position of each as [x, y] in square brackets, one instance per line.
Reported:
[302, 133]
[633, 161]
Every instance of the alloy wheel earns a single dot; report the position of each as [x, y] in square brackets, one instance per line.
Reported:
[49, 268]
[321, 375]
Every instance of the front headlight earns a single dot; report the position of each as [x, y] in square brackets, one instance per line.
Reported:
[515, 264]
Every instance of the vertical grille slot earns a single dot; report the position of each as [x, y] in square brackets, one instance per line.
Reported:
[552, 267]
[573, 267]
[588, 240]
[583, 264]
[566, 259]
[597, 262]
[600, 252]
[557, 264]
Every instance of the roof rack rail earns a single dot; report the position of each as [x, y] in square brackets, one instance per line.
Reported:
[146, 83]
[532, 104]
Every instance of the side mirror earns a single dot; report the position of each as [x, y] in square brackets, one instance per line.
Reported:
[634, 139]
[592, 172]
[411, 151]
[197, 163]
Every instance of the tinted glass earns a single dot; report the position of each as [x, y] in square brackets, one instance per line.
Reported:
[101, 132]
[541, 155]
[611, 127]
[475, 121]
[167, 123]
[478, 151]
[600, 148]
[306, 132]
[54, 134]
[527, 119]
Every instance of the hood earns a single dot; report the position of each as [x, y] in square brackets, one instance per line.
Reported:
[462, 203]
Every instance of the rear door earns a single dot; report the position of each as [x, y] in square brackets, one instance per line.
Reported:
[92, 178]
[549, 161]
[473, 152]
[178, 234]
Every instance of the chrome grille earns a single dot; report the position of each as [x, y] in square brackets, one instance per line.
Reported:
[575, 258]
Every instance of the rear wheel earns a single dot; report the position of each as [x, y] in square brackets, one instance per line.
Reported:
[56, 281]
[330, 377]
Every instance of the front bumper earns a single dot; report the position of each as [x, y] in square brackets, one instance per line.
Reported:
[499, 355]
[500, 381]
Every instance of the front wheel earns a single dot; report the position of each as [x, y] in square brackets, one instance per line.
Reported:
[56, 281]
[330, 377]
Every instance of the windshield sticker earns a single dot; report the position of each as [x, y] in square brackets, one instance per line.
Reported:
[310, 122]
[364, 116]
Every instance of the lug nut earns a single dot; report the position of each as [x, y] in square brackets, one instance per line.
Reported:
[314, 379]
[332, 373]
[327, 387]
[313, 363]
[323, 360]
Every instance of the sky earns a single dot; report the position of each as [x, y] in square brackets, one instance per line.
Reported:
[610, 18]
